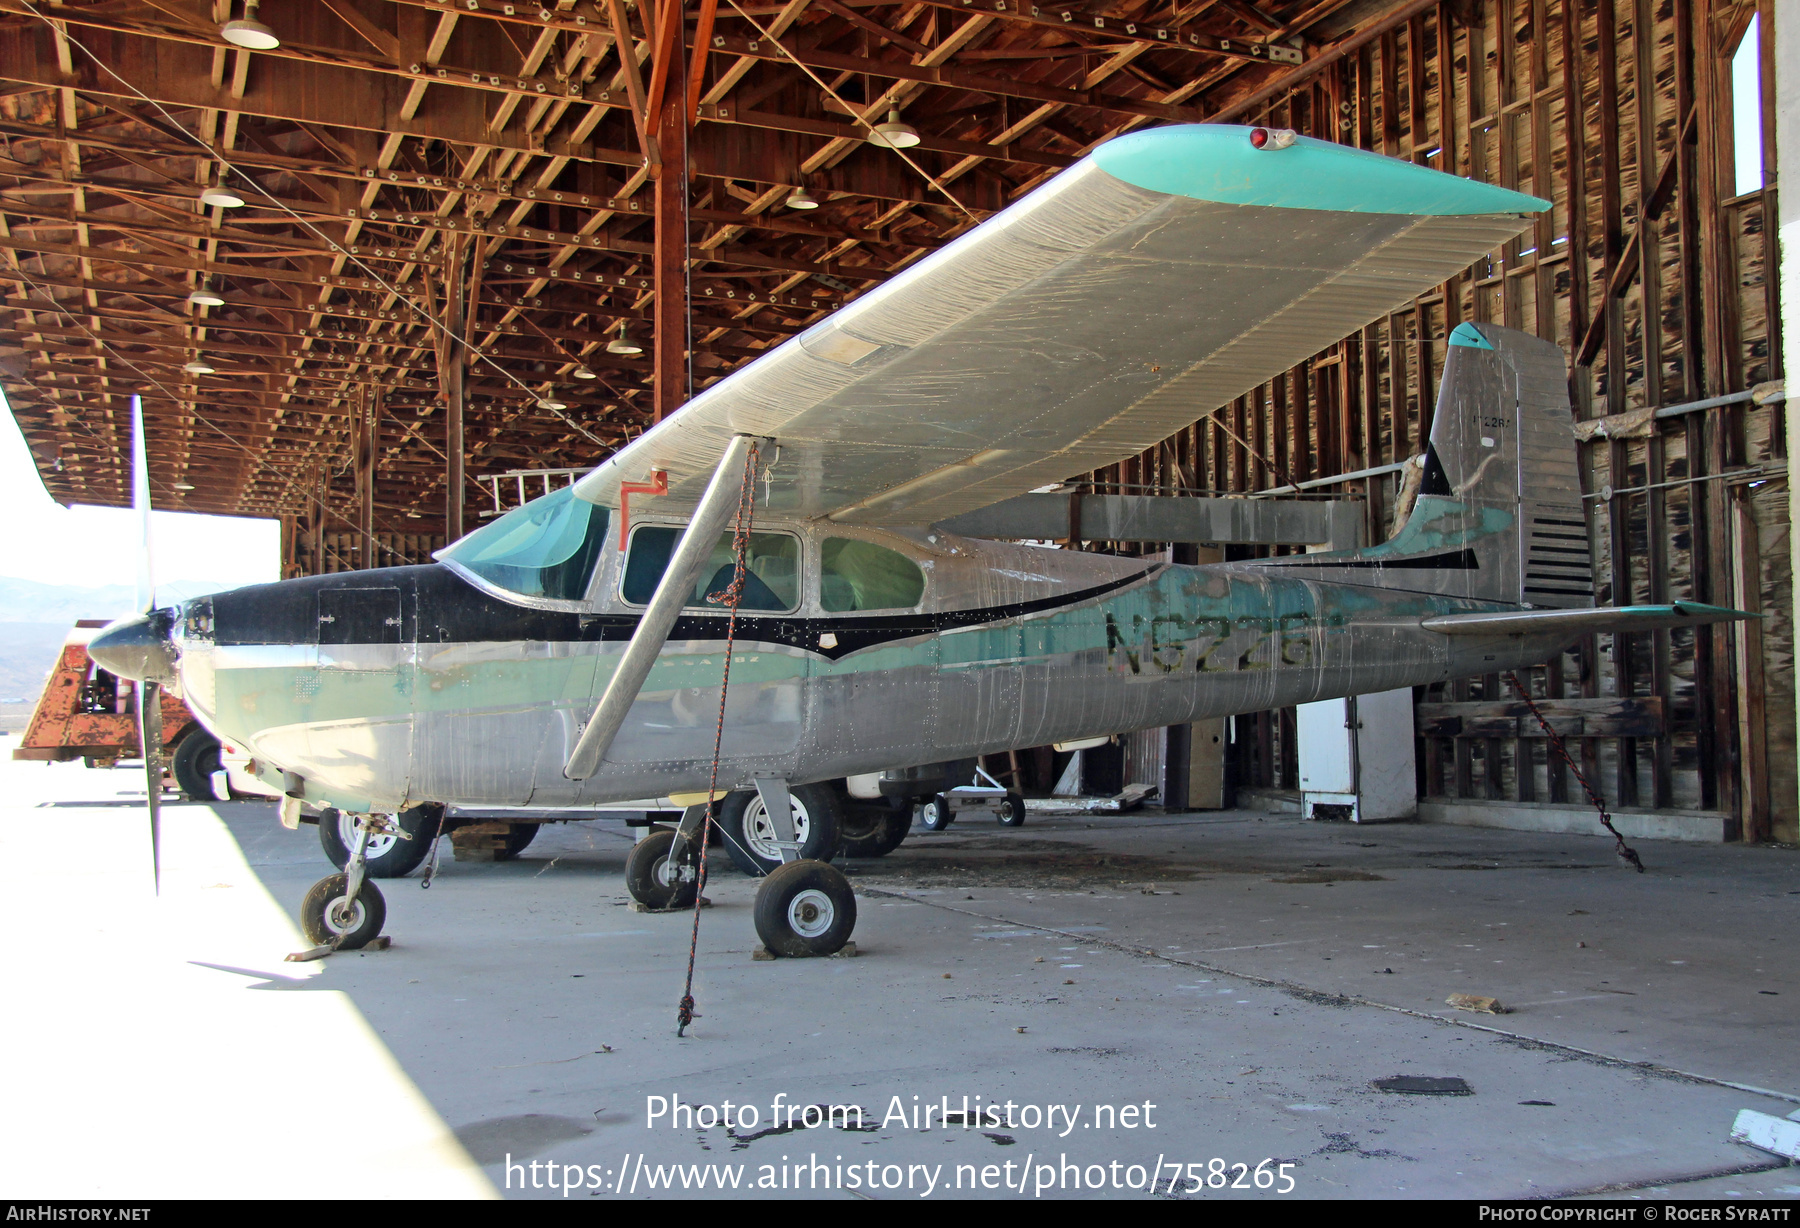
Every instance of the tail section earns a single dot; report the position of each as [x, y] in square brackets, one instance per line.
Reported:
[1501, 471]
[1498, 514]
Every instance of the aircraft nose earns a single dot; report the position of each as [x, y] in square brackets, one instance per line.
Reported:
[139, 648]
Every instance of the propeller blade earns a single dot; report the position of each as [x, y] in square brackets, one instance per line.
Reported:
[149, 693]
[140, 502]
[150, 732]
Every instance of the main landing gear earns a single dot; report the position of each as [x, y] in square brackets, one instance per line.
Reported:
[345, 912]
[804, 906]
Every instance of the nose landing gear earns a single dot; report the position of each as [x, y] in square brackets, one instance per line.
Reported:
[345, 912]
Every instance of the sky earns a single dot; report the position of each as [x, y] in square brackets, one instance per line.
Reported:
[95, 546]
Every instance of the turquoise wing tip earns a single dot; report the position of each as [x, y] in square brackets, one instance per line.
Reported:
[1713, 613]
[1217, 162]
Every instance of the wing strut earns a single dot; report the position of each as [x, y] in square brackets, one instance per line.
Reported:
[672, 593]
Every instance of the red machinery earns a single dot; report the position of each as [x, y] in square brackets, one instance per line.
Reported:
[86, 713]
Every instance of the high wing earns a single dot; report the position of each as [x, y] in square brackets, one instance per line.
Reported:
[1163, 275]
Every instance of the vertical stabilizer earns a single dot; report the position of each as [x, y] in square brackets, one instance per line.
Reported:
[1503, 462]
[1498, 515]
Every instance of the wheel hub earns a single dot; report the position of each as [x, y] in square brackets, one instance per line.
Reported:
[343, 914]
[811, 913]
[759, 832]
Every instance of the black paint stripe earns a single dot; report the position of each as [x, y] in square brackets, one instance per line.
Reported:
[1456, 560]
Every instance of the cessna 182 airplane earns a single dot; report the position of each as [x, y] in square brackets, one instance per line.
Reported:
[565, 654]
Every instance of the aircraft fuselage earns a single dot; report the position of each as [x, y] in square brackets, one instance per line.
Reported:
[375, 690]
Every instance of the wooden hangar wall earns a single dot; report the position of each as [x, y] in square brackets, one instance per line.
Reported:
[1656, 275]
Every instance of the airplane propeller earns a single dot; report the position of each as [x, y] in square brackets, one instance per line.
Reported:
[142, 647]
[149, 689]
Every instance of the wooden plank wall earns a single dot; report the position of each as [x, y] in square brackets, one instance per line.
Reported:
[1654, 277]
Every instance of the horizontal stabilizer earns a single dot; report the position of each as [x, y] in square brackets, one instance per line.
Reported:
[1572, 623]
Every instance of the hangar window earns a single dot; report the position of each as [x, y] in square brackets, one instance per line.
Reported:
[859, 575]
[1746, 110]
[773, 558]
[546, 548]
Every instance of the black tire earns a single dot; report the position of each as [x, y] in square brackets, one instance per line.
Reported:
[364, 923]
[516, 840]
[196, 759]
[389, 856]
[872, 831]
[936, 814]
[816, 819]
[805, 908]
[647, 873]
[1012, 811]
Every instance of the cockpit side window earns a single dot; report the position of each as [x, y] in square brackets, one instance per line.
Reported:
[858, 575]
[546, 548]
[773, 582]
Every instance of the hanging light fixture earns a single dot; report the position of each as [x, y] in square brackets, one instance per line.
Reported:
[249, 33]
[623, 344]
[895, 134]
[801, 199]
[584, 372]
[204, 296]
[550, 403]
[221, 198]
[198, 367]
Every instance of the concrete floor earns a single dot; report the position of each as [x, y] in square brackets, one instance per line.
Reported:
[1247, 975]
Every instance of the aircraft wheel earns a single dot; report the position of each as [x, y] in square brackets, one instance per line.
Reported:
[937, 815]
[750, 838]
[521, 835]
[1012, 811]
[805, 908]
[326, 913]
[196, 759]
[650, 874]
[873, 831]
[386, 856]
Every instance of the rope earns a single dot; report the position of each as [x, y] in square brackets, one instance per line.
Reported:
[729, 598]
[1626, 852]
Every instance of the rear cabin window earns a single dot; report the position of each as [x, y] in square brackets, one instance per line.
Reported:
[773, 559]
[859, 575]
[546, 548]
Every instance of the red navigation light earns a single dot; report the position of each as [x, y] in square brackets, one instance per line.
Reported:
[1272, 138]
[1259, 137]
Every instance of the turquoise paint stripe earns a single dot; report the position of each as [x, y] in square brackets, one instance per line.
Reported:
[1467, 334]
[1217, 162]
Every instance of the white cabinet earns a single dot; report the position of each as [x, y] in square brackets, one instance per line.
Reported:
[1356, 758]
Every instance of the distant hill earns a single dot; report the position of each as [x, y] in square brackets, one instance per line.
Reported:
[34, 620]
[27, 654]
[27, 601]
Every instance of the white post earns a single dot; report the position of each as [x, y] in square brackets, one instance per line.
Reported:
[1787, 152]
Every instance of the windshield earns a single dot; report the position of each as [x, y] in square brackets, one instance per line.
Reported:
[546, 548]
